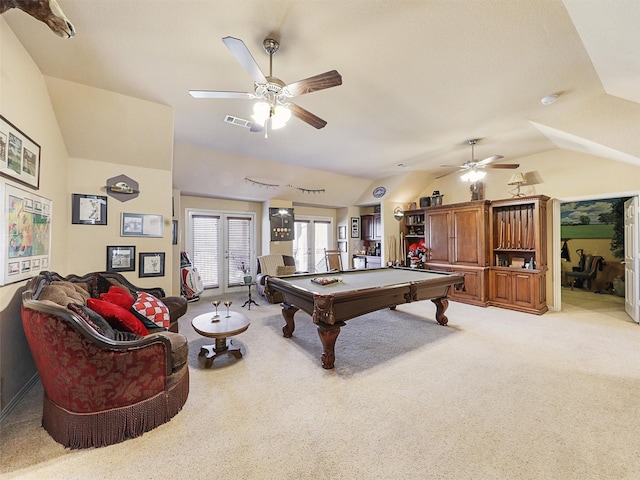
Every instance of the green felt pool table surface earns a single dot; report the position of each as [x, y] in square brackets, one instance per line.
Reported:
[357, 293]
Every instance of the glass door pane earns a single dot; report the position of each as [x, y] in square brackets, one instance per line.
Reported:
[301, 247]
[239, 248]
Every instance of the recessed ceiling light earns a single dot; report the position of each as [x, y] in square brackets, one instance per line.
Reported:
[549, 99]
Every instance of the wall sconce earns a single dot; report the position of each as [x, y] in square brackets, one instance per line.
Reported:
[398, 213]
[518, 179]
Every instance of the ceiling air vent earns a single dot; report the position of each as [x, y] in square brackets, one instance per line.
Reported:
[240, 122]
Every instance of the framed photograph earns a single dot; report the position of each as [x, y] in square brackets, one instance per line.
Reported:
[342, 246]
[151, 265]
[174, 232]
[342, 232]
[19, 155]
[25, 242]
[88, 209]
[141, 225]
[355, 227]
[121, 259]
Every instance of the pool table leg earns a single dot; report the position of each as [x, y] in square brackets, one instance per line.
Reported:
[328, 338]
[288, 311]
[441, 306]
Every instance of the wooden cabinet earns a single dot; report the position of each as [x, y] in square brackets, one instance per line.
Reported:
[456, 237]
[377, 227]
[371, 227]
[518, 236]
[457, 234]
[518, 289]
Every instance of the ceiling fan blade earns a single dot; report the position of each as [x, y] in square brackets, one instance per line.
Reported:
[306, 116]
[490, 159]
[243, 55]
[215, 94]
[313, 84]
[449, 173]
[503, 165]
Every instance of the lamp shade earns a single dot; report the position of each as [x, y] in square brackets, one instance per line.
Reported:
[261, 111]
[517, 179]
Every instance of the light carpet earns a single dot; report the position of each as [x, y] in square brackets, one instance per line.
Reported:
[494, 395]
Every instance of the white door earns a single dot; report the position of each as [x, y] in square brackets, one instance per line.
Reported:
[222, 247]
[631, 259]
[311, 237]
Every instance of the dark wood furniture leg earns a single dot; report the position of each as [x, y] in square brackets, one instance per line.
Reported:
[220, 348]
[328, 336]
[441, 306]
[288, 311]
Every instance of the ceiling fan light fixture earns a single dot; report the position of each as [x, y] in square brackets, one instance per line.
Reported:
[281, 116]
[473, 175]
[261, 111]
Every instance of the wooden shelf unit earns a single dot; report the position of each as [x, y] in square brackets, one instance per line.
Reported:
[518, 258]
[413, 229]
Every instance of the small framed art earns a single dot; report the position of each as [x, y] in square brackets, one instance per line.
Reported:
[151, 264]
[141, 225]
[88, 209]
[342, 232]
[19, 155]
[174, 232]
[121, 259]
[355, 227]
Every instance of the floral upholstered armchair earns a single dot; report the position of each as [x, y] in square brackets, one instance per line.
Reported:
[101, 385]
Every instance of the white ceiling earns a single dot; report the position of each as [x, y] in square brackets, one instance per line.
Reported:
[420, 77]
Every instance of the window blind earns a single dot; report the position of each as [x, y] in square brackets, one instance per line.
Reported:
[205, 248]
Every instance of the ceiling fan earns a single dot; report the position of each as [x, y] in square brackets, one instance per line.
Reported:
[474, 167]
[273, 94]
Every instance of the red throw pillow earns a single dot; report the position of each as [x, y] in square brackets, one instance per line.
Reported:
[121, 290]
[118, 317]
[118, 298]
[149, 307]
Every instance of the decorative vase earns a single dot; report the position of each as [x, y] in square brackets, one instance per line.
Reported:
[247, 279]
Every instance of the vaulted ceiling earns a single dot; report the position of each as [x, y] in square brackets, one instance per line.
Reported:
[420, 77]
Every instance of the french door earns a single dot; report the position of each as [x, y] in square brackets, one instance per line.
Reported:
[312, 236]
[222, 247]
[632, 258]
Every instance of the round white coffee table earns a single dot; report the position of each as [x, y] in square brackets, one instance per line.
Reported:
[220, 328]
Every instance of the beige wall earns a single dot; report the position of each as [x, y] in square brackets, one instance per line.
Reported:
[26, 101]
[87, 244]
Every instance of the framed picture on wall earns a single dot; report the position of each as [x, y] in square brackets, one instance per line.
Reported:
[355, 227]
[88, 209]
[141, 225]
[151, 264]
[342, 232]
[19, 155]
[174, 232]
[121, 259]
[26, 226]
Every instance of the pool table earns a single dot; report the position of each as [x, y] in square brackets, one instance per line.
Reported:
[359, 292]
